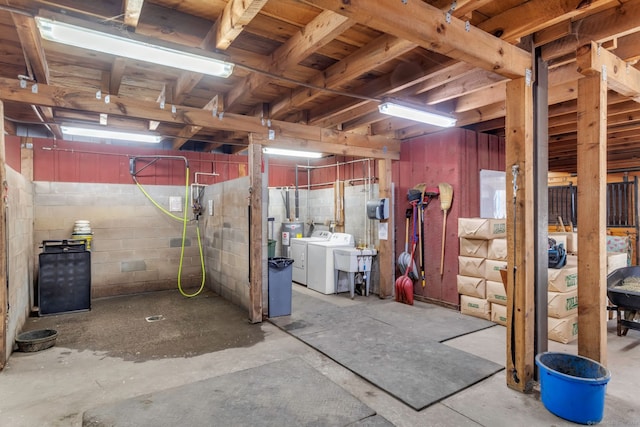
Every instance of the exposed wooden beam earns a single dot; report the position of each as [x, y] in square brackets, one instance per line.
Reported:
[592, 263]
[73, 99]
[462, 6]
[385, 253]
[188, 131]
[380, 50]
[520, 236]
[185, 83]
[132, 9]
[339, 149]
[320, 31]
[32, 46]
[117, 71]
[433, 32]
[236, 14]
[620, 20]
[470, 83]
[619, 75]
[257, 238]
[535, 15]
[4, 315]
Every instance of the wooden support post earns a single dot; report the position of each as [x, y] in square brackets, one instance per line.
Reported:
[4, 351]
[520, 235]
[592, 176]
[385, 254]
[257, 261]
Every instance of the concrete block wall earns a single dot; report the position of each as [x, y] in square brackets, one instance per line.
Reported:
[226, 240]
[135, 248]
[20, 252]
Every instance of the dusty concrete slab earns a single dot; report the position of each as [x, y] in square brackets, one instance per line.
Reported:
[153, 325]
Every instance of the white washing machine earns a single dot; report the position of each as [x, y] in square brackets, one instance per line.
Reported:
[300, 256]
[320, 271]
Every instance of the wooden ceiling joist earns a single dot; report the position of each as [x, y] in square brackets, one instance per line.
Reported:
[132, 9]
[620, 75]
[236, 14]
[51, 96]
[432, 31]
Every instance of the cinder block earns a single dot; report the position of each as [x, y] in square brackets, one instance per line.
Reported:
[136, 265]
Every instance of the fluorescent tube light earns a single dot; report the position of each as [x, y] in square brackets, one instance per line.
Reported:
[131, 47]
[110, 134]
[412, 113]
[293, 153]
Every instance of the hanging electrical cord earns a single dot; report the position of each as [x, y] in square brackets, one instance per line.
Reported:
[184, 220]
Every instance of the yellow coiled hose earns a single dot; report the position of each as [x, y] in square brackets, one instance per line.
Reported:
[184, 220]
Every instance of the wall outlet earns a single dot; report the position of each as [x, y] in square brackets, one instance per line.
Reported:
[175, 204]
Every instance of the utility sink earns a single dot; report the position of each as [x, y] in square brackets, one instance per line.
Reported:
[353, 260]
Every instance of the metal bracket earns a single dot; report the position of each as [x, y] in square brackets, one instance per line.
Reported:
[604, 73]
[598, 49]
[453, 6]
[272, 134]
[447, 17]
[107, 99]
[220, 115]
[528, 76]
[162, 104]
[515, 169]
[173, 109]
[467, 26]
[99, 94]
[34, 88]
[23, 83]
[405, 1]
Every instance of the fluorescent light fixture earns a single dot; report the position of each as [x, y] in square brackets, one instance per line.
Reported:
[131, 46]
[396, 109]
[293, 153]
[110, 134]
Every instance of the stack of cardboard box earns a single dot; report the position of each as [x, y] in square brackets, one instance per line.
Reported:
[482, 254]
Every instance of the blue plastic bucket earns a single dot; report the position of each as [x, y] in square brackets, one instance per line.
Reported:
[573, 387]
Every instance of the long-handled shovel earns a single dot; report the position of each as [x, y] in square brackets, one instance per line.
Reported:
[446, 197]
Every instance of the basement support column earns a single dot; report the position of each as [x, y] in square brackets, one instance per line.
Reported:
[541, 198]
[256, 241]
[592, 188]
[3, 250]
[385, 254]
[521, 238]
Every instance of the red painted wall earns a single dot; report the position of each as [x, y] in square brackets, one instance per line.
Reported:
[64, 161]
[12, 152]
[454, 156]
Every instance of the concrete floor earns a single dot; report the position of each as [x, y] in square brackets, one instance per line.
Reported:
[112, 353]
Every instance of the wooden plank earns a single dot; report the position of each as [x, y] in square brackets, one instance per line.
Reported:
[188, 131]
[320, 31]
[386, 254]
[619, 75]
[117, 71]
[520, 236]
[433, 32]
[4, 315]
[73, 99]
[32, 46]
[610, 23]
[132, 9]
[236, 14]
[380, 50]
[535, 15]
[592, 172]
[258, 259]
[322, 147]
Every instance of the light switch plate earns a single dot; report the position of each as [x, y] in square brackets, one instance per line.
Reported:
[175, 204]
[210, 202]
